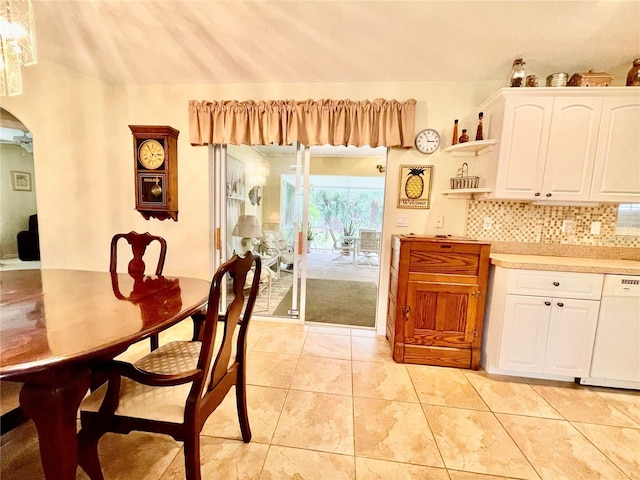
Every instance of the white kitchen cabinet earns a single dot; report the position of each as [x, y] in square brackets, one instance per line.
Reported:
[551, 335]
[616, 176]
[563, 145]
[541, 323]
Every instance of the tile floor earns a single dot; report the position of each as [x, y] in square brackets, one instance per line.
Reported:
[328, 403]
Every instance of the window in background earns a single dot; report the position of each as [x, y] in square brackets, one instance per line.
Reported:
[628, 219]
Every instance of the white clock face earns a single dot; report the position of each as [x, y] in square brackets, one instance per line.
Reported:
[151, 154]
[427, 141]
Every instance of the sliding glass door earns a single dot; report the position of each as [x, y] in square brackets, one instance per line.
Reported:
[305, 210]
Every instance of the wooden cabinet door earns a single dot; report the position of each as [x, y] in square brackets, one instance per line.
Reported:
[572, 148]
[616, 176]
[523, 147]
[524, 333]
[441, 314]
[572, 330]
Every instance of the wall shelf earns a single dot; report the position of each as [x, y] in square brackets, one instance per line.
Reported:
[464, 192]
[470, 149]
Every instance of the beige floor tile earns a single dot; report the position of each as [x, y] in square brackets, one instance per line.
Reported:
[365, 332]
[557, 450]
[330, 346]
[277, 343]
[376, 349]
[387, 381]
[285, 463]
[474, 441]
[329, 330]
[317, 421]
[456, 475]
[444, 386]
[270, 369]
[371, 469]
[510, 395]
[620, 445]
[222, 460]
[577, 403]
[396, 431]
[326, 375]
[264, 405]
[137, 455]
[627, 401]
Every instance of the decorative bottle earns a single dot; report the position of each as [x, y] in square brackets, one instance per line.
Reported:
[517, 73]
[633, 77]
[479, 129]
[464, 138]
[454, 140]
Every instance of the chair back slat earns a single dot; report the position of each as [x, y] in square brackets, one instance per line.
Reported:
[235, 269]
[139, 243]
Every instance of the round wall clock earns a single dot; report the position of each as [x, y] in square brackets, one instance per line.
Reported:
[427, 141]
[151, 154]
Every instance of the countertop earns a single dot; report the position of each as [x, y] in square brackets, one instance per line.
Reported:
[566, 264]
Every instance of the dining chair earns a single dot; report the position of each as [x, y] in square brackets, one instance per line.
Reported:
[174, 389]
[136, 266]
[369, 246]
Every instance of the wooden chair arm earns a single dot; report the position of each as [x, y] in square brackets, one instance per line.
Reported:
[129, 370]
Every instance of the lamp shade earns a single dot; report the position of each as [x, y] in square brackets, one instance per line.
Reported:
[247, 227]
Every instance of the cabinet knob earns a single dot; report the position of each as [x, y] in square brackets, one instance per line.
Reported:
[560, 304]
[405, 310]
[547, 303]
[548, 195]
[537, 194]
[556, 284]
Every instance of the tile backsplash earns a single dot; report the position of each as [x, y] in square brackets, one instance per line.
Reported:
[551, 224]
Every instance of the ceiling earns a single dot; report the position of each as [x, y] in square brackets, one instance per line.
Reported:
[237, 41]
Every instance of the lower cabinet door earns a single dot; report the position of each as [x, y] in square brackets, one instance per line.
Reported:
[572, 331]
[524, 333]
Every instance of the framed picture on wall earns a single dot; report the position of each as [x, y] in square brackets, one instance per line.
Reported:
[415, 186]
[20, 181]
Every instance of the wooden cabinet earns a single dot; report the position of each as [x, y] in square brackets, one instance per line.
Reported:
[572, 144]
[541, 322]
[437, 291]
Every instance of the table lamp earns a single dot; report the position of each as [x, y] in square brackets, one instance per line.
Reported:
[249, 229]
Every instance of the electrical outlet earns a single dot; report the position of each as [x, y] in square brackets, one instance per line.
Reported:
[402, 220]
[567, 226]
[439, 221]
[487, 223]
[595, 228]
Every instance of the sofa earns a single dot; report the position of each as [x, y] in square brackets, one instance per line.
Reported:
[29, 242]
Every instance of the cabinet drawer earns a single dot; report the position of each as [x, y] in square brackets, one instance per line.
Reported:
[586, 286]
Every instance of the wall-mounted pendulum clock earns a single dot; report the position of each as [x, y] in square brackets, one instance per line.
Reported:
[155, 155]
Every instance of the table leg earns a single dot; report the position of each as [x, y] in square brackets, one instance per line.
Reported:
[53, 407]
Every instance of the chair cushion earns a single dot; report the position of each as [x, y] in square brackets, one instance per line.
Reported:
[154, 403]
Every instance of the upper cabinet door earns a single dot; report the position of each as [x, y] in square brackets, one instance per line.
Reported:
[523, 147]
[616, 176]
[572, 148]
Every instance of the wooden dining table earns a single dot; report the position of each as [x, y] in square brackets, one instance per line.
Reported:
[55, 325]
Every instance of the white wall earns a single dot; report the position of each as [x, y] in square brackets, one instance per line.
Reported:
[84, 161]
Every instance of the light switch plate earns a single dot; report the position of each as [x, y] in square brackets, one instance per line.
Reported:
[595, 228]
[402, 220]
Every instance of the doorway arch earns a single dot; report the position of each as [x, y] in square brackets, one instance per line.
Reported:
[17, 186]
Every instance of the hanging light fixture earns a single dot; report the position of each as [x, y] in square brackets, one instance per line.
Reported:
[18, 43]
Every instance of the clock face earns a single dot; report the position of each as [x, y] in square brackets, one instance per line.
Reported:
[151, 154]
[427, 141]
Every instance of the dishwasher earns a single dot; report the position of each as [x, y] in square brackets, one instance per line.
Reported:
[616, 352]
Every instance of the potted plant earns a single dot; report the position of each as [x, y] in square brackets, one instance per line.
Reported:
[349, 231]
[310, 236]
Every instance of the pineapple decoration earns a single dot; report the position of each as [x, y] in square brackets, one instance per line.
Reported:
[414, 186]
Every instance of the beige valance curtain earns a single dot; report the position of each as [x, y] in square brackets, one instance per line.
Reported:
[387, 123]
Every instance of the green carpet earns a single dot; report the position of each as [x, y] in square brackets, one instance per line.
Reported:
[337, 301]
